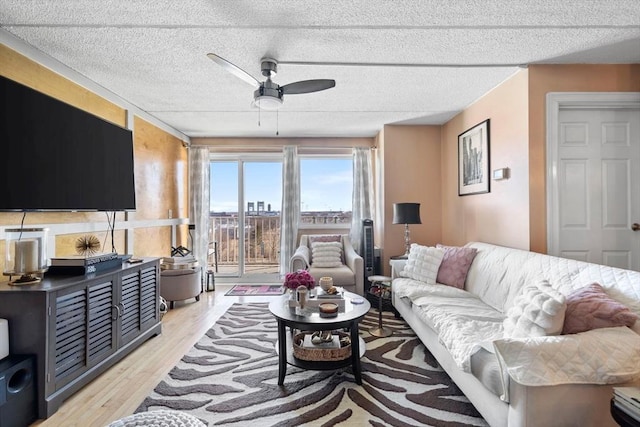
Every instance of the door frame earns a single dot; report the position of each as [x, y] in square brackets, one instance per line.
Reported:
[241, 159]
[555, 102]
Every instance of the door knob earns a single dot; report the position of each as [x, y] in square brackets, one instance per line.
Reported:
[635, 226]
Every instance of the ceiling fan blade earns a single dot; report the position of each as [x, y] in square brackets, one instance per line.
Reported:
[234, 69]
[307, 86]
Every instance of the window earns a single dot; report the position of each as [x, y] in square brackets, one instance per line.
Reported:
[326, 186]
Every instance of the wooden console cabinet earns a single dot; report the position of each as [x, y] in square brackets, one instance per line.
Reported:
[79, 326]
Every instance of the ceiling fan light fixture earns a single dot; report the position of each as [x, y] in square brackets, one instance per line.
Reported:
[267, 102]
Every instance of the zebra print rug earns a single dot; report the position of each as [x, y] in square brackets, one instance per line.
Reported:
[230, 378]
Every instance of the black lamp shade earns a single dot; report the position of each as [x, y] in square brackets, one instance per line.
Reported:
[406, 213]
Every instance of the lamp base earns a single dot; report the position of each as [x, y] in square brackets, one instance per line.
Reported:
[380, 332]
[407, 240]
[25, 279]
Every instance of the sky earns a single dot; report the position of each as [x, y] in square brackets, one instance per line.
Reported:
[326, 184]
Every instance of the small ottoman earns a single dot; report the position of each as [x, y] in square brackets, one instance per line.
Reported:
[161, 418]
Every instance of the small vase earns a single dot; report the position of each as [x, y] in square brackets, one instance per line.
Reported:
[326, 283]
[302, 294]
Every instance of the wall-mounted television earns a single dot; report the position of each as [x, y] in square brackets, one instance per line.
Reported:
[56, 157]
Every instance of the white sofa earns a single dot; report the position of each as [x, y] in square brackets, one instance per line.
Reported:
[569, 377]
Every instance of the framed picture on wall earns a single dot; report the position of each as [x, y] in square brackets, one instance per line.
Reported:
[473, 160]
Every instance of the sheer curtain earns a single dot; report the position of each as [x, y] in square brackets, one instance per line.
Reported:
[199, 201]
[362, 206]
[290, 212]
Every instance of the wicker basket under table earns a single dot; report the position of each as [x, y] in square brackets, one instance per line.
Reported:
[320, 354]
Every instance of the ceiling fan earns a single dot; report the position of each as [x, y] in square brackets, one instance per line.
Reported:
[269, 95]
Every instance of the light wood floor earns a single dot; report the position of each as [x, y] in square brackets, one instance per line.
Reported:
[120, 390]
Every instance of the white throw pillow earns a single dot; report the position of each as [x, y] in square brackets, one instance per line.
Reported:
[326, 254]
[538, 311]
[423, 263]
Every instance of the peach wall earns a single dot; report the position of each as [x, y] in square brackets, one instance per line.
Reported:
[502, 215]
[410, 173]
[562, 78]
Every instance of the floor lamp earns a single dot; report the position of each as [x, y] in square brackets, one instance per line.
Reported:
[406, 213]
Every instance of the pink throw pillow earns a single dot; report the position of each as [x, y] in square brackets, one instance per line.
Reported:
[325, 238]
[455, 265]
[591, 308]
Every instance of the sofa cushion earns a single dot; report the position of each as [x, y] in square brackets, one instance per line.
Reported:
[538, 311]
[326, 254]
[455, 265]
[423, 263]
[591, 308]
[342, 275]
[485, 367]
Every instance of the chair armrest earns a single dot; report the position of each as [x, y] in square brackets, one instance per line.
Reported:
[598, 356]
[356, 264]
[397, 265]
[300, 259]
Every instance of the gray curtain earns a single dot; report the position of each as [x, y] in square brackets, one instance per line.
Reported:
[199, 202]
[362, 206]
[290, 212]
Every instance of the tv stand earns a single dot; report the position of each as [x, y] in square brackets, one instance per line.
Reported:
[79, 326]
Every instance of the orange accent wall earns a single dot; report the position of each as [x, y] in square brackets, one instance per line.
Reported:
[502, 215]
[161, 171]
[160, 162]
[23, 70]
[562, 78]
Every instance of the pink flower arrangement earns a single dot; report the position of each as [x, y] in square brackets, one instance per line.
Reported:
[299, 278]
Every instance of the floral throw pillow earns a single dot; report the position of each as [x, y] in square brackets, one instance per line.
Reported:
[591, 308]
[455, 265]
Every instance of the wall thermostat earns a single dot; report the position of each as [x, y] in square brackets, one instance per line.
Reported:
[499, 174]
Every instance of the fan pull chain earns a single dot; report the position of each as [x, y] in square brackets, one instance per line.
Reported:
[259, 114]
[277, 123]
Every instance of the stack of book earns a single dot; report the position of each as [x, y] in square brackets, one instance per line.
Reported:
[325, 295]
[80, 264]
[627, 399]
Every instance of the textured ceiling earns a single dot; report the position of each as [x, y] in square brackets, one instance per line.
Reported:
[403, 62]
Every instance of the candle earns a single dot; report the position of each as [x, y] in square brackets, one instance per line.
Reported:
[26, 256]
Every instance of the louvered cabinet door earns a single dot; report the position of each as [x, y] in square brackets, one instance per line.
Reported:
[84, 329]
[139, 303]
[102, 318]
[70, 336]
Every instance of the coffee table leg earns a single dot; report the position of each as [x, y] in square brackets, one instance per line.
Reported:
[282, 351]
[355, 353]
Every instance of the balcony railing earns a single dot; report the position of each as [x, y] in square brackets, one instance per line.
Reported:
[261, 237]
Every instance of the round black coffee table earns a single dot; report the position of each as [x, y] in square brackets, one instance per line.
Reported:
[349, 317]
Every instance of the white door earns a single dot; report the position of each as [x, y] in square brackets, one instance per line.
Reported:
[597, 180]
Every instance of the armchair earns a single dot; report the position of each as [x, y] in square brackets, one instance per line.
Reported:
[349, 273]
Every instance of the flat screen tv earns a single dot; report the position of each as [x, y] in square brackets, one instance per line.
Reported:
[59, 158]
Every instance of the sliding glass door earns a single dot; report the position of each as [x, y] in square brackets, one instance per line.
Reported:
[245, 217]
